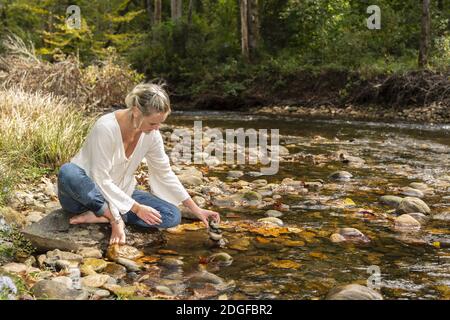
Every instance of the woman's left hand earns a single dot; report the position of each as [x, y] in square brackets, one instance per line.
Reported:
[204, 215]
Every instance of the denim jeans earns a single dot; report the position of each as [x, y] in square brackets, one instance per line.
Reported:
[77, 193]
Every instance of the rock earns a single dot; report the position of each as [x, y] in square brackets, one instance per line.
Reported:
[90, 253]
[313, 186]
[188, 180]
[123, 251]
[391, 201]
[341, 176]
[408, 191]
[221, 258]
[171, 262]
[272, 221]
[63, 255]
[419, 186]
[259, 183]
[411, 204]
[33, 217]
[14, 267]
[95, 280]
[115, 270]
[406, 223]
[129, 264]
[95, 264]
[252, 195]
[349, 235]
[86, 270]
[64, 280]
[102, 293]
[235, 174]
[419, 217]
[126, 291]
[54, 232]
[445, 216]
[352, 161]
[53, 290]
[30, 261]
[205, 277]
[200, 201]
[353, 292]
[274, 213]
[165, 290]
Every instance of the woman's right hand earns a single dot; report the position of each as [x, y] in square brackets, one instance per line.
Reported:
[148, 214]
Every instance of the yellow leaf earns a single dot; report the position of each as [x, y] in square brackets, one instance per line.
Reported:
[285, 264]
[349, 202]
[437, 244]
[318, 255]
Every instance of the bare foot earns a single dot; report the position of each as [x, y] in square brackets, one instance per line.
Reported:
[117, 233]
[88, 217]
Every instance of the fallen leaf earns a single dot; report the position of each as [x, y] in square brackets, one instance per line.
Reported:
[285, 264]
[318, 255]
[349, 202]
[167, 251]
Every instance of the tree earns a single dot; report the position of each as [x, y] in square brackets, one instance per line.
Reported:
[425, 34]
[176, 9]
[249, 28]
[157, 19]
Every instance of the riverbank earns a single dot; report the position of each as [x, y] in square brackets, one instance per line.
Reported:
[413, 96]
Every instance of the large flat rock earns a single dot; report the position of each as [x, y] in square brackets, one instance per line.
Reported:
[55, 232]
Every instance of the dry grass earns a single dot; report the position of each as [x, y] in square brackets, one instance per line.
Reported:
[38, 129]
[95, 87]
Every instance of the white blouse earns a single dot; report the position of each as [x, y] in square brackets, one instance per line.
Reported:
[103, 158]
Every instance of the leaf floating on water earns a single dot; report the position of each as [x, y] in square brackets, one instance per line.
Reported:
[167, 251]
[349, 202]
[147, 259]
[437, 244]
[318, 255]
[285, 264]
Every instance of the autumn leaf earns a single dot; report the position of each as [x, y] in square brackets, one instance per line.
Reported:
[147, 259]
[285, 264]
[349, 202]
[318, 255]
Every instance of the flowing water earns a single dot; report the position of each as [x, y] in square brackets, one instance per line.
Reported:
[413, 266]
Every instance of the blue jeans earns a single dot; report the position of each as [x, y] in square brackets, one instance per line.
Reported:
[77, 193]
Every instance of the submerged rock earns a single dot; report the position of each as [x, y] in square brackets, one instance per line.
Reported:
[55, 232]
[411, 204]
[341, 176]
[406, 223]
[274, 213]
[349, 235]
[391, 201]
[353, 292]
[408, 191]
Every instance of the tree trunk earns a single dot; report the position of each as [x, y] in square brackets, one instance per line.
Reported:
[149, 9]
[249, 28]
[157, 18]
[176, 9]
[425, 34]
[190, 10]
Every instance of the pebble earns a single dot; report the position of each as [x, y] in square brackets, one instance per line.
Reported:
[406, 223]
[411, 204]
[341, 176]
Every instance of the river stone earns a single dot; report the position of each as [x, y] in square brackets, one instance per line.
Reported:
[123, 251]
[205, 277]
[252, 195]
[419, 186]
[14, 267]
[419, 217]
[95, 280]
[90, 253]
[54, 232]
[341, 176]
[95, 264]
[391, 201]
[349, 235]
[64, 280]
[171, 262]
[406, 223]
[353, 292]
[188, 180]
[115, 270]
[272, 221]
[63, 255]
[235, 174]
[411, 204]
[53, 290]
[102, 293]
[274, 213]
[126, 291]
[408, 191]
[129, 264]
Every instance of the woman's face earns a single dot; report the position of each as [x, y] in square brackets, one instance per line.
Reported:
[149, 123]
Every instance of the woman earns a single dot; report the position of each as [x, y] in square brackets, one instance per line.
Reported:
[98, 183]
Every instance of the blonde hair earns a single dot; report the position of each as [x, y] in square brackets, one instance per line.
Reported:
[150, 98]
